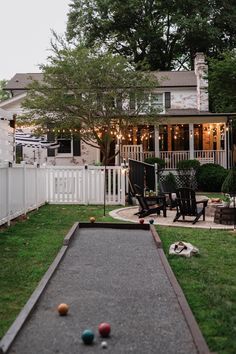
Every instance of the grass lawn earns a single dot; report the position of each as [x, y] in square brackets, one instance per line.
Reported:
[29, 247]
[208, 281]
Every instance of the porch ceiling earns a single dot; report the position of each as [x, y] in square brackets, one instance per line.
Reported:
[191, 116]
[193, 119]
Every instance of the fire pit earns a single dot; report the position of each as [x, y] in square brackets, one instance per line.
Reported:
[225, 215]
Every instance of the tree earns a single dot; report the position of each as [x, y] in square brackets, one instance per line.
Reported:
[222, 83]
[91, 93]
[163, 34]
[4, 95]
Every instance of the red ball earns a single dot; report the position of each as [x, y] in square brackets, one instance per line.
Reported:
[141, 221]
[104, 329]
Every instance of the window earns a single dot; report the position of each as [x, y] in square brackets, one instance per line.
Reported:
[157, 101]
[65, 147]
[151, 103]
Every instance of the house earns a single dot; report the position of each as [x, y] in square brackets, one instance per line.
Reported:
[185, 128]
[6, 136]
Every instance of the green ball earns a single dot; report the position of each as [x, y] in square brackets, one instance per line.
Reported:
[87, 336]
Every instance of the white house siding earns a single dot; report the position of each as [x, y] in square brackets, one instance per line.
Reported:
[6, 142]
[89, 156]
[183, 99]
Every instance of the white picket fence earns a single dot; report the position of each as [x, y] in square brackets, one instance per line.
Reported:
[21, 189]
[85, 185]
[24, 188]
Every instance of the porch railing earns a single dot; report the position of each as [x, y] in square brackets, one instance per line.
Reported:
[211, 156]
[171, 158]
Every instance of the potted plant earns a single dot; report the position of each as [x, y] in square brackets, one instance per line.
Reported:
[229, 185]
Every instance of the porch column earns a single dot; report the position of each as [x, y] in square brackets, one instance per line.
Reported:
[191, 141]
[157, 142]
[117, 157]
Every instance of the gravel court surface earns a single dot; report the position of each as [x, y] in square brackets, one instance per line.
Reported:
[115, 276]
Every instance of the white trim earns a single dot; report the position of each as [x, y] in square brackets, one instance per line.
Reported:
[191, 141]
[13, 99]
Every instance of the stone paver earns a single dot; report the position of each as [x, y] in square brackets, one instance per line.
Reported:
[127, 214]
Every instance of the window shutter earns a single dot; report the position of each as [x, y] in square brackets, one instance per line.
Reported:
[132, 101]
[19, 153]
[119, 101]
[76, 146]
[51, 138]
[167, 100]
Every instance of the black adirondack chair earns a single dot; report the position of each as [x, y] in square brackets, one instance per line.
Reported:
[187, 205]
[169, 190]
[147, 209]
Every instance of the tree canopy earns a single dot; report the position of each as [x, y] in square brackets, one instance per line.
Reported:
[161, 34]
[4, 95]
[222, 83]
[92, 94]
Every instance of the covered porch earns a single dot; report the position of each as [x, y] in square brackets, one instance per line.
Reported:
[207, 138]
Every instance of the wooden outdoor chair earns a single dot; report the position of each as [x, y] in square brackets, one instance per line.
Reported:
[147, 209]
[188, 206]
[138, 190]
[170, 191]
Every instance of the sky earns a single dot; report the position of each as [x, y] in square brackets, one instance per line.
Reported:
[25, 33]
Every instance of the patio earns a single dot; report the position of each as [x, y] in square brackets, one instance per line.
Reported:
[127, 214]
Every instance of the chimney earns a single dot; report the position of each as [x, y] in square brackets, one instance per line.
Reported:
[201, 70]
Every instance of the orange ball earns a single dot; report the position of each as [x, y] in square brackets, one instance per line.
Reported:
[63, 309]
[92, 219]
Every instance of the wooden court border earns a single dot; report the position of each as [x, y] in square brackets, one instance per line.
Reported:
[15, 328]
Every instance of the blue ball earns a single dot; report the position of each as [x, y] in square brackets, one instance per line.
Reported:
[87, 336]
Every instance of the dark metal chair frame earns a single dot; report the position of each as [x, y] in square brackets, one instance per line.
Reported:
[149, 205]
[187, 205]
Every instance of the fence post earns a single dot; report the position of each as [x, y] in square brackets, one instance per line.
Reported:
[24, 186]
[156, 179]
[36, 185]
[86, 184]
[8, 191]
[123, 172]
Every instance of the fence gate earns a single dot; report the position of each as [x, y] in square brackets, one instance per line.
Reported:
[85, 185]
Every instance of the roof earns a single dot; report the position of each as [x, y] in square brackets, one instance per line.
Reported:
[20, 81]
[176, 78]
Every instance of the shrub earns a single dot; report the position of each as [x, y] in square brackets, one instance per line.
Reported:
[160, 163]
[188, 165]
[157, 160]
[229, 184]
[210, 177]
